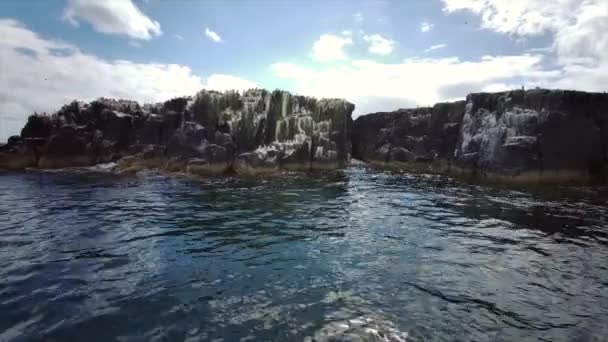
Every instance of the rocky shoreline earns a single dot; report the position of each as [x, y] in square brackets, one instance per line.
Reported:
[533, 136]
[210, 133]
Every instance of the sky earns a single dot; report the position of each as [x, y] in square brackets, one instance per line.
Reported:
[380, 55]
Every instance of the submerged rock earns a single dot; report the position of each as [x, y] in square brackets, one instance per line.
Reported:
[209, 133]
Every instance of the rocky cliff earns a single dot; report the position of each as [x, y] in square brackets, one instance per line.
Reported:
[209, 133]
[408, 135]
[534, 135]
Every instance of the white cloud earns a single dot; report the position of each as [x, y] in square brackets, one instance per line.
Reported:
[347, 33]
[586, 36]
[227, 82]
[330, 48]
[578, 29]
[577, 59]
[44, 74]
[497, 87]
[413, 81]
[426, 27]
[435, 47]
[518, 16]
[178, 37]
[121, 17]
[379, 45]
[212, 35]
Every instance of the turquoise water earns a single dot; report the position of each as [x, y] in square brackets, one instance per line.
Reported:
[99, 257]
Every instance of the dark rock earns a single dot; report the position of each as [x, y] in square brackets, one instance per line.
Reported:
[158, 129]
[208, 133]
[150, 157]
[370, 133]
[17, 154]
[405, 131]
[535, 135]
[444, 128]
[18, 159]
[259, 161]
[153, 152]
[425, 133]
[12, 145]
[37, 126]
[66, 148]
[175, 105]
[188, 141]
[14, 140]
[116, 126]
[295, 156]
[149, 131]
[401, 154]
[216, 161]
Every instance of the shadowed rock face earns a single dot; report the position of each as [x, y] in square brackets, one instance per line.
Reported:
[408, 135]
[209, 133]
[534, 135]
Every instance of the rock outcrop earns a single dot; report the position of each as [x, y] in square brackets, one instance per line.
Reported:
[535, 135]
[408, 135]
[209, 133]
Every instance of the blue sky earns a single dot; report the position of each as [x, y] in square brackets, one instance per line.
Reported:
[381, 55]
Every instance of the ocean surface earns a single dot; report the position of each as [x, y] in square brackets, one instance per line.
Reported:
[91, 256]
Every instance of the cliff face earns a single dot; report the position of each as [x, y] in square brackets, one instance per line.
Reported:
[408, 135]
[210, 133]
[534, 135]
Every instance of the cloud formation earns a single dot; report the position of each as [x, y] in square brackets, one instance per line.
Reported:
[379, 45]
[212, 35]
[578, 29]
[330, 48]
[435, 47]
[576, 59]
[413, 81]
[120, 17]
[426, 27]
[45, 74]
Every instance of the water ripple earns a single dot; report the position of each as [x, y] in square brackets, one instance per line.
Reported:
[293, 257]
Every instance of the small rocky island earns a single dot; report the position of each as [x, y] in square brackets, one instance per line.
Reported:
[531, 136]
[208, 134]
